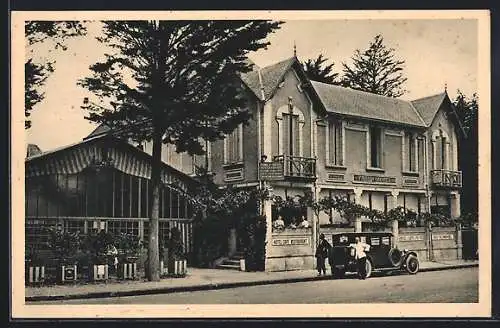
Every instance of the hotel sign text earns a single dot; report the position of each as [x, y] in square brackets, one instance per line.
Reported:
[373, 179]
[291, 242]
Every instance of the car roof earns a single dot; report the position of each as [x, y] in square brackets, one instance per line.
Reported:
[362, 233]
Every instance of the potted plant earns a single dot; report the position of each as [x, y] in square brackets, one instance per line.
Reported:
[34, 266]
[101, 252]
[129, 247]
[65, 246]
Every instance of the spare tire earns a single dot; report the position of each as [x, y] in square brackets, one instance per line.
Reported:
[395, 257]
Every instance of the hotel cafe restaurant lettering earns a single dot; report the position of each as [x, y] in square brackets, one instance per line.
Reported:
[304, 136]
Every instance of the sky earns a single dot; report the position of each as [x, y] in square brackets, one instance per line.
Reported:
[436, 53]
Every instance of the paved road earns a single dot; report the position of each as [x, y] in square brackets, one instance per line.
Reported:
[449, 286]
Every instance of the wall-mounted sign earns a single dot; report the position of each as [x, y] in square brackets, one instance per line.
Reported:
[411, 237]
[373, 179]
[271, 171]
[335, 177]
[448, 236]
[290, 242]
[234, 175]
[410, 181]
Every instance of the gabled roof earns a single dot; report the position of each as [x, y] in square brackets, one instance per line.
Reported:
[75, 157]
[345, 101]
[100, 130]
[264, 81]
[429, 106]
[33, 150]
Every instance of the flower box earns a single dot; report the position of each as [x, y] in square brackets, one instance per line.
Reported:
[98, 272]
[127, 270]
[67, 273]
[35, 275]
[177, 268]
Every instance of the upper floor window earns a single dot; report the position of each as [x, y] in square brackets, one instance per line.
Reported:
[375, 147]
[440, 151]
[233, 146]
[335, 143]
[202, 163]
[291, 136]
[411, 152]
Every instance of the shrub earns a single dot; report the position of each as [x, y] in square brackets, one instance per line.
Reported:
[64, 245]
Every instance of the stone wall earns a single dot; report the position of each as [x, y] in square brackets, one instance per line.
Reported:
[291, 250]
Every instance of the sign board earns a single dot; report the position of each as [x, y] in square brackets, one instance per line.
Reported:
[448, 236]
[373, 179]
[291, 242]
[271, 171]
[411, 237]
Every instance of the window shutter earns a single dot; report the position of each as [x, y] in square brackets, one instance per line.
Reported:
[286, 135]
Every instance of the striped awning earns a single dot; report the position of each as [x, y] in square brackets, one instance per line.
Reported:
[120, 155]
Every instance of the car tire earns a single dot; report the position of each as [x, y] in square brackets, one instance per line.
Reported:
[369, 268]
[395, 257]
[411, 264]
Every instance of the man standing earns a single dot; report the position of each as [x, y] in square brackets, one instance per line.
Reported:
[361, 248]
[322, 254]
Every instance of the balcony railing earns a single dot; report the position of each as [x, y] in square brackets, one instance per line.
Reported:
[446, 178]
[284, 166]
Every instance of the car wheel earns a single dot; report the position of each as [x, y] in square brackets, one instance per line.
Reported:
[369, 268]
[412, 264]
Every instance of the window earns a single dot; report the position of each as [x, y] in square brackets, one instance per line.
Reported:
[123, 226]
[233, 146]
[411, 154]
[202, 162]
[334, 144]
[74, 226]
[375, 147]
[291, 141]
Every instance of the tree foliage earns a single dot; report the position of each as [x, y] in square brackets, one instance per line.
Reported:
[36, 73]
[172, 82]
[467, 110]
[375, 70]
[317, 70]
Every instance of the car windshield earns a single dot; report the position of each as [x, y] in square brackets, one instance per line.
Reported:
[371, 239]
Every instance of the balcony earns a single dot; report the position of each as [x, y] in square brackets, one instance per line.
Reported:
[446, 178]
[288, 167]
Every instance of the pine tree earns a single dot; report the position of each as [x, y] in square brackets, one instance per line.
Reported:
[36, 73]
[375, 70]
[467, 110]
[173, 82]
[315, 71]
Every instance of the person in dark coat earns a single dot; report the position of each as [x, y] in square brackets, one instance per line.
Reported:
[321, 254]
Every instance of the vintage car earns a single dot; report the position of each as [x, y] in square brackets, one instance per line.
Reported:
[382, 256]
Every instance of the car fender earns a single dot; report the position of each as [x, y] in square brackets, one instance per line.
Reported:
[406, 254]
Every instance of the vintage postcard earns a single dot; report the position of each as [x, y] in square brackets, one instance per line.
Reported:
[210, 164]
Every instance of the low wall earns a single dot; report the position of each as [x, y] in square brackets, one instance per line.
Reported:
[290, 250]
[437, 244]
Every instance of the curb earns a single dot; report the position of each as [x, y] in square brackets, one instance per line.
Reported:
[210, 286]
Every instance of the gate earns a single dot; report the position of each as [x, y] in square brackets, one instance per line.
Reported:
[469, 244]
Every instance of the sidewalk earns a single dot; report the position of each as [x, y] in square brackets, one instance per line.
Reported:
[197, 279]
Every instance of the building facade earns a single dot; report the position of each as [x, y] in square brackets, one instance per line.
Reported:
[305, 135]
[103, 183]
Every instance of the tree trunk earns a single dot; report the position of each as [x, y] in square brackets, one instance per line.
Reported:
[153, 272]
